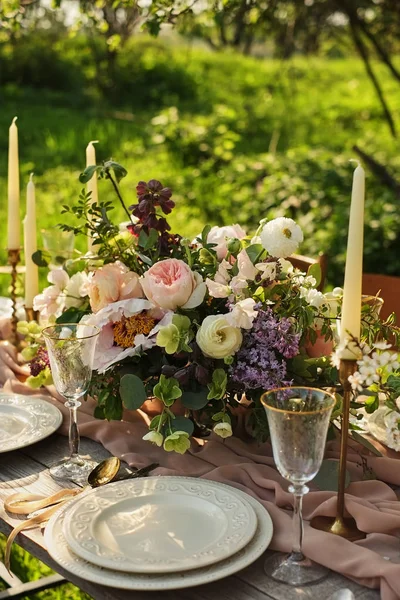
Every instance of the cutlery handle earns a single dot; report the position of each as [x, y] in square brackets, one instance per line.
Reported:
[144, 471]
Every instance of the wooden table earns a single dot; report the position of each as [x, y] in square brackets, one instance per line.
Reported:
[26, 470]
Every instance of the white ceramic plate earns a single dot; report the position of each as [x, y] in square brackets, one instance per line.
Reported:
[377, 426]
[59, 550]
[159, 524]
[25, 420]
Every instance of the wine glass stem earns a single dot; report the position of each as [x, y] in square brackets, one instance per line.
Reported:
[298, 491]
[74, 439]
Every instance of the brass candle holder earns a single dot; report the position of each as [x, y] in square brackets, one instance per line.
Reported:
[31, 314]
[345, 527]
[13, 260]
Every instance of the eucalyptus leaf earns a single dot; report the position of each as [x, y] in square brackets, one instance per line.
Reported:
[327, 478]
[132, 391]
[195, 400]
[364, 442]
[183, 424]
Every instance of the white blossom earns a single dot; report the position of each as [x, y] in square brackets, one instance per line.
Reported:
[281, 237]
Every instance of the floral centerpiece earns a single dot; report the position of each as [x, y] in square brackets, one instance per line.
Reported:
[203, 327]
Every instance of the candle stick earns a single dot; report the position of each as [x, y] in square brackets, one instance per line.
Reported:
[351, 309]
[30, 246]
[92, 184]
[350, 327]
[13, 228]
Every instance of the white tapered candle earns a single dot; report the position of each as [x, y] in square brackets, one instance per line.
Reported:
[92, 184]
[30, 245]
[14, 222]
[351, 309]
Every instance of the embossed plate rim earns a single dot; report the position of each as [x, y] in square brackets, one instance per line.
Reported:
[240, 520]
[41, 431]
[59, 550]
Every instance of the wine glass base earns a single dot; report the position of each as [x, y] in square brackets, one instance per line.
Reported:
[72, 470]
[286, 569]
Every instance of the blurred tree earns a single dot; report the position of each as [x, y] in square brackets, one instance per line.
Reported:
[292, 26]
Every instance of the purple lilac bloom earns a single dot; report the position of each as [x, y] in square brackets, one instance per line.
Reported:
[260, 362]
[40, 362]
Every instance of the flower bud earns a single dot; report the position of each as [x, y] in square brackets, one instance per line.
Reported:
[205, 257]
[234, 246]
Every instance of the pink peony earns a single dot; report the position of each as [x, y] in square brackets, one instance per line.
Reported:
[219, 236]
[127, 328]
[171, 283]
[111, 283]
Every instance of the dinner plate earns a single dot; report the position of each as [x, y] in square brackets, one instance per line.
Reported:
[60, 551]
[25, 420]
[159, 524]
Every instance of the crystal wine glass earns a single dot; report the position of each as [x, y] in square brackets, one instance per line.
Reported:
[298, 419]
[71, 350]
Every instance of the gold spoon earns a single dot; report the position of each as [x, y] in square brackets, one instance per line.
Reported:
[23, 503]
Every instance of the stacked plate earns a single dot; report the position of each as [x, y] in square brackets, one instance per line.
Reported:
[25, 420]
[159, 533]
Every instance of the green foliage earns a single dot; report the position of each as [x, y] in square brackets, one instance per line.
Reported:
[218, 384]
[167, 390]
[132, 391]
[261, 150]
[327, 477]
[28, 568]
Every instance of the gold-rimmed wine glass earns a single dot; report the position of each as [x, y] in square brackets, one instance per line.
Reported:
[71, 349]
[298, 419]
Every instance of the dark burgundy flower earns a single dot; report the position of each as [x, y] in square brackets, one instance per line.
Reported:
[40, 362]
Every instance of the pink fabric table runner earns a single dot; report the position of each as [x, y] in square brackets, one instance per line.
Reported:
[373, 562]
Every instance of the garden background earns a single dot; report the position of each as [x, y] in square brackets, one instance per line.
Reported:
[239, 131]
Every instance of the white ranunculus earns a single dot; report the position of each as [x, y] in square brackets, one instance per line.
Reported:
[281, 237]
[217, 338]
[224, 430]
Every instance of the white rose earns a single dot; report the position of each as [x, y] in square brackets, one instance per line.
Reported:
[154, 437]
[217, 338]
[224, 430]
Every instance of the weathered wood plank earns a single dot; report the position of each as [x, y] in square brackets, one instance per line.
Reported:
[54, 448]
[255, 576]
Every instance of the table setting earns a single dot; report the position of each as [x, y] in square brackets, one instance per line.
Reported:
[199, 356]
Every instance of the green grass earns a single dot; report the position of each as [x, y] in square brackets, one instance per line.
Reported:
[28, 568]
[212, 146]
